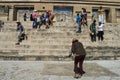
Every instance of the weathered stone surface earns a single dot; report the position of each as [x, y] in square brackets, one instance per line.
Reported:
[57, 70]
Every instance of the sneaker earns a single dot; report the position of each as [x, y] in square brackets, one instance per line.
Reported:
[17, 44]
[76, 76]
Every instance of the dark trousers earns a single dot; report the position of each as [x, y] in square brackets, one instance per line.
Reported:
[78, 64]
[100, 35]
[93, 37]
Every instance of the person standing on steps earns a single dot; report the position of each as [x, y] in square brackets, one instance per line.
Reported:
[42, 21]
[78, 23]
[47, 19]
[93, 31]
[51, 17]
[34, 17]
[100, 31]
[84, 17]
[101, 15]
[79, 54]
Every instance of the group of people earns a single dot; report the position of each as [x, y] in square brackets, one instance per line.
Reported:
[81, 19]
[97, 31]
[77, 48]
[44, 19]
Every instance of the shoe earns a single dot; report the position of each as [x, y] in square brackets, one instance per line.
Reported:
[17, 44]
[78, 32]
[76, 76]
[79, 76]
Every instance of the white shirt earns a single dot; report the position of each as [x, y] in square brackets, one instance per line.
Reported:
[100, 28]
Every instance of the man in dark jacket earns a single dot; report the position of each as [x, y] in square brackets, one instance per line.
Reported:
[22, 36]
[20, 27]
[79, 54]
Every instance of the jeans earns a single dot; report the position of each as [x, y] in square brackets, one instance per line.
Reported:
[35, 23]
[93, 37]
[78, 27]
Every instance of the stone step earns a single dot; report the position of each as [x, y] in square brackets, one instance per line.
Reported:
[52, 42]
[90, 50]
[54, 58]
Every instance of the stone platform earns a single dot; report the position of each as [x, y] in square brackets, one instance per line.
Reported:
[58, 70]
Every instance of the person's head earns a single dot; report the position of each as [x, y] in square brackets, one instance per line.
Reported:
[77, 14]
[18, 22]
[100, 7]
[35, 10]
[74, 40]
[42, 14]
[94, 21]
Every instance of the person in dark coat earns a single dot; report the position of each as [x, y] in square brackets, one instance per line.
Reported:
[20, 27]
[79, 56]
[22, 36]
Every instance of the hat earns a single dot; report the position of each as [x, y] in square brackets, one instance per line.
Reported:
[35, 10]
[17, 21]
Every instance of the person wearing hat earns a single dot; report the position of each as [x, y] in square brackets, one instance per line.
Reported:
[22, 36]
[20, 29]
[34, 16]
[79, 54]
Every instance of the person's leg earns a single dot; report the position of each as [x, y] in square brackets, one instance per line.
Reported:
[40, 24]
[99, 35]
[76, 66]
[81, 60]
[34, 23]
[102, 36]
[77, 27]
[94, 35]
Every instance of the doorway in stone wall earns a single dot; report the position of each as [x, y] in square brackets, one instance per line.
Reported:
[19, 12]
[118, 14]
[63, 13]
[106, 14]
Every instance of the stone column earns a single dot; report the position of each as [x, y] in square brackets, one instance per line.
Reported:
[113, 15]
[11, 10]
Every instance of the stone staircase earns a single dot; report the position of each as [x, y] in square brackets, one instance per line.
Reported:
[54, 43]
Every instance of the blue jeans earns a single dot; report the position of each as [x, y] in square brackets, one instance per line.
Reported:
[35, 23]
[78, 27]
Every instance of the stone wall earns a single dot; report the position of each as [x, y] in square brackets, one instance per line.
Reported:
[43, 6]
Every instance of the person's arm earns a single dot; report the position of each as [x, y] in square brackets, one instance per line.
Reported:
[73, 49]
